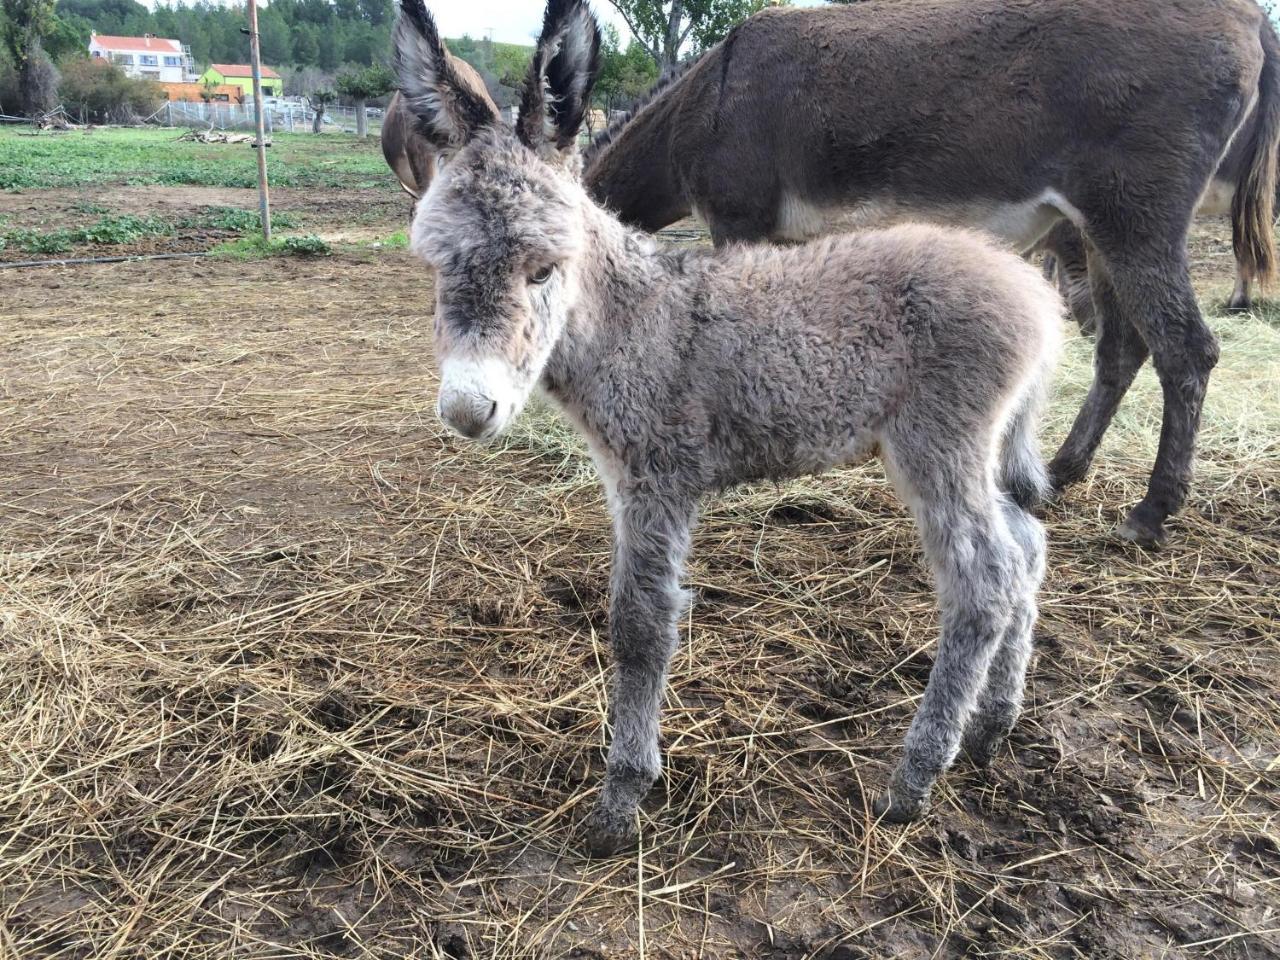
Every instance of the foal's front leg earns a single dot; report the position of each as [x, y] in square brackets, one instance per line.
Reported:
[651, 540]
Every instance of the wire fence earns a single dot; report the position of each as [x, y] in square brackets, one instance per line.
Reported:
[286, 117]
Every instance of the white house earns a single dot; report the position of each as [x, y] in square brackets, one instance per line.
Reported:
[145, 58]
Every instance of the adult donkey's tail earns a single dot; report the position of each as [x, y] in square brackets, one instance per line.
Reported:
[1252, 208]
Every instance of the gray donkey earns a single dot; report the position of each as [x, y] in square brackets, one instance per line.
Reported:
[692, 371]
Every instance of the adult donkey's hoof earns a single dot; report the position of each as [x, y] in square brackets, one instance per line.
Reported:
[1146, 529]
[896, 807]
[1063, 474]
[609, 832]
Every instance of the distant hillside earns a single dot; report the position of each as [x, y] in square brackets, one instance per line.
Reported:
[293, 33]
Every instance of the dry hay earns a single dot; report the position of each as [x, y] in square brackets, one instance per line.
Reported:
[287, 673]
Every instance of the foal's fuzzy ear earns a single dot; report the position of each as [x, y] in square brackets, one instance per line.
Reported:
[448, 110]
[557, 91]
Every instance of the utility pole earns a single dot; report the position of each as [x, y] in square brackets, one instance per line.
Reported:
[255, 62]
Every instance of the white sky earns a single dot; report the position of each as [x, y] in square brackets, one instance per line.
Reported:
[518, 21]
[512, 21]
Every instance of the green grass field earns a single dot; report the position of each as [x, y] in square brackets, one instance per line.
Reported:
[155, 156]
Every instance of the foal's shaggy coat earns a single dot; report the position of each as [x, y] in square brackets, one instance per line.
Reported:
[689, 372]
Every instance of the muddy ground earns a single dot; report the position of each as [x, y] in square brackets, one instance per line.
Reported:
[290, 672]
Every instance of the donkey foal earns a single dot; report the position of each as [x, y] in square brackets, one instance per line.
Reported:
[692, 371]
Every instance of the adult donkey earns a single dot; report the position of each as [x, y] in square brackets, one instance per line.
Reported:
[1004, 114]
[410, 155]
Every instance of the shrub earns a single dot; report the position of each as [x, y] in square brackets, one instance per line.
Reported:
[242, 221]
[96, 90]
[308, 245]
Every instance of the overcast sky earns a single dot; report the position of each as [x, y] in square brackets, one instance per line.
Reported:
[518, 21]
[512, 21]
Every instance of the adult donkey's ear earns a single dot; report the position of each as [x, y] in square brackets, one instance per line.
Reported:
[448, 111]
[557, 91]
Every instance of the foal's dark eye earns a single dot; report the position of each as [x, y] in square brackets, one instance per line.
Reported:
[540, 276]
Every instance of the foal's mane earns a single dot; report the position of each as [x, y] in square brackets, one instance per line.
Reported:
[606, 136]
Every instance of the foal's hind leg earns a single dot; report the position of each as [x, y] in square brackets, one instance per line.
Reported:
[976, 566]
[1001, 699]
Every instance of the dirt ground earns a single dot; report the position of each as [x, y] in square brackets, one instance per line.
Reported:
[289, 672]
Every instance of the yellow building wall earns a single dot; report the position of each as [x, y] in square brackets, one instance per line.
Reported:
[271, 86]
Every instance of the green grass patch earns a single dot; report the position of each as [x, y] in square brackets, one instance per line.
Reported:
[153, 156]
[255, 247]
[107, 231]
[240, 221]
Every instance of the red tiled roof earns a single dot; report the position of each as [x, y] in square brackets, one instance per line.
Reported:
[159, 44]
[241, 70]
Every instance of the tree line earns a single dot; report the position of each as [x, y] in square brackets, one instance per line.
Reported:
[319, 45]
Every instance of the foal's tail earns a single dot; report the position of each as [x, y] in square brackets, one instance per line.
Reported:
[1022, 473]
[1253, 206]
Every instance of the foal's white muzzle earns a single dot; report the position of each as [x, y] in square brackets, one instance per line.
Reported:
[477, 397]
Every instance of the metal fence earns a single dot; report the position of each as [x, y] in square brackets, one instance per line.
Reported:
[278, 117]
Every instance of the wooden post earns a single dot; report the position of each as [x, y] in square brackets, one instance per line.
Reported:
[255, 61]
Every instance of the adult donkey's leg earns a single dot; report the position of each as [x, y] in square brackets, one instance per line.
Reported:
[651, 540]
[1119, 353]
[1162, 304]
[1240, 299]
[978, 572]
[1068, 252]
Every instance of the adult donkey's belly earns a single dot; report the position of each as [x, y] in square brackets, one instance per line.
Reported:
[1020, 224]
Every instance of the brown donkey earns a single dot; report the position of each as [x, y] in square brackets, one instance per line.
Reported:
[1009, 115]
[408, 153]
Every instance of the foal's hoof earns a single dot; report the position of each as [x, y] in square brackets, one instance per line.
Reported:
[981, 751]
[895, 807]
[1143, 530]
[609, 832]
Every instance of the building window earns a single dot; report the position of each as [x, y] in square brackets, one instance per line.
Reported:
[124, 59]
[147, 60]
[173, 61]
[150, 74]
[97, 54]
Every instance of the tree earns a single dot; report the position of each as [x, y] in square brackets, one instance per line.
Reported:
[306, 46]
[273, 37]
[624, 74]
[25, 25]
[664, 26]
[67, 37]
[320, 100]
[100, 91]
[361, 86]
